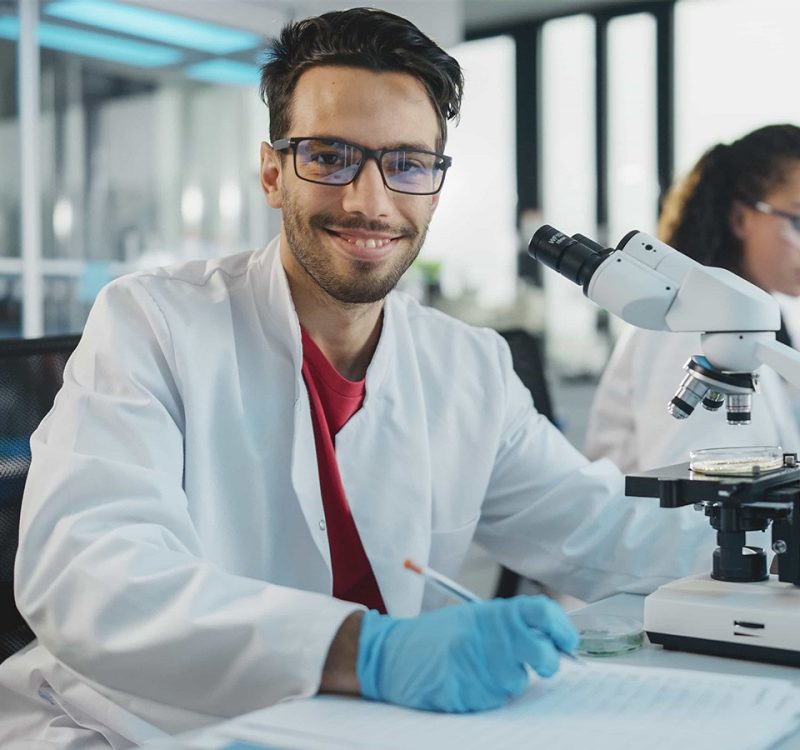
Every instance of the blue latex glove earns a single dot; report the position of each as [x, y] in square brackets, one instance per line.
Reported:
[468, 657]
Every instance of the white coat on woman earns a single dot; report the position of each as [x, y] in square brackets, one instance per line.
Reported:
[173, 558]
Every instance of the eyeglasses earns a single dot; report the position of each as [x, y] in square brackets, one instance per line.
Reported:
[765, 208]
[327, 161]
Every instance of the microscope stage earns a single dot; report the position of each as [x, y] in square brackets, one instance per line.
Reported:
[759, 621]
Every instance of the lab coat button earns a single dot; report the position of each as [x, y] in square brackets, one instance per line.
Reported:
[322, 526]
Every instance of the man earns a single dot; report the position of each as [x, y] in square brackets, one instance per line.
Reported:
[245, 451]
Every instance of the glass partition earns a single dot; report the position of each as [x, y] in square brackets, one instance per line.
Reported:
[735, 70]
[140, 163]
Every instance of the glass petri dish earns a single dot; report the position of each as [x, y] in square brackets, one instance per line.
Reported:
[745, 461]
[607, 635]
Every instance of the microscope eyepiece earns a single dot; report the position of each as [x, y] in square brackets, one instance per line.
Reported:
[575, 257]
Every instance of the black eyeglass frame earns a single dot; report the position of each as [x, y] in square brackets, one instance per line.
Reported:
[765, 208]
[283, 144]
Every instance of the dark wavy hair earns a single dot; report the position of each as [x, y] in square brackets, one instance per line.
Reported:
[364, 38]
[696, 214]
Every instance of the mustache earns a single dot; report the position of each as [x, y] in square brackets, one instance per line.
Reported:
[323, 221]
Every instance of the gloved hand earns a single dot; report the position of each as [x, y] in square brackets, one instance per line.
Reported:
[467, 657]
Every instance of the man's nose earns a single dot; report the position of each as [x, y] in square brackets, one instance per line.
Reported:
[367, 194]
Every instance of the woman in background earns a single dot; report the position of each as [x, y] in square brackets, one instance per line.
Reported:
[738, 208]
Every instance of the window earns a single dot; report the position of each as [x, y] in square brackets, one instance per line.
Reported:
[569, 179]
[632, 170]
[736, 69]
[473, 234]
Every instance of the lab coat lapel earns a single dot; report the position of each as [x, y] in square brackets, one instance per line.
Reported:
[305, 478]
[384, 462]
[280, 323]
[382, 452]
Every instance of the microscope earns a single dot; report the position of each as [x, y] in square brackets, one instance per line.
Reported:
[738, 609]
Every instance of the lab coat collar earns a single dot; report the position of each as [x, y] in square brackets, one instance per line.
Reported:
[279, 317]
[275, 306]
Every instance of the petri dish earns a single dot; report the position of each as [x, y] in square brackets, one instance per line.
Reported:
[744, 461]
[607, 635]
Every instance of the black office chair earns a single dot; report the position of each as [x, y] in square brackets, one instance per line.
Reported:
[31, 372]
[527, 357]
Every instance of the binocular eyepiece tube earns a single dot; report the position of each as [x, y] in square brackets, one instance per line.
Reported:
[575, 257]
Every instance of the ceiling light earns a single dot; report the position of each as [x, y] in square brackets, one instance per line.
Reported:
[93, 44]
[155, 25]
[224, 71]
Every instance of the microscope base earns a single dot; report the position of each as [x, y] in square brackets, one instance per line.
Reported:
[758, 621]
[729, 650]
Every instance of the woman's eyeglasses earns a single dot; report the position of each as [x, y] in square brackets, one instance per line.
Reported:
[765, 208]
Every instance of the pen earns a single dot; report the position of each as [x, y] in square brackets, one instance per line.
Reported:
[456, 590]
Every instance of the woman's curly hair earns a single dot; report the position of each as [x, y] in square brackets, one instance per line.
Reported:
[695, 216]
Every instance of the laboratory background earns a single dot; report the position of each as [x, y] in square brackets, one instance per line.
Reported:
[130, 133]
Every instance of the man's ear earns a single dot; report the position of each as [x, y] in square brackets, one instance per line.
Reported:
[737, 218]
[271, 175]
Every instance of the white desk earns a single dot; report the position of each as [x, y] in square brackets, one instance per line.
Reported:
[218, 736]
[656, 656]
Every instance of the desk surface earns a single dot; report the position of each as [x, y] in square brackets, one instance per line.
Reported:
[219, 736]
[656, 656]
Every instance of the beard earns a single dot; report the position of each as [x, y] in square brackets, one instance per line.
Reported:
[363, 282]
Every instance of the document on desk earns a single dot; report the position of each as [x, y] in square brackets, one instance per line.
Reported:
[594, 707]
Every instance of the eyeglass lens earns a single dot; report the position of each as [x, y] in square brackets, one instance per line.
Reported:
[335, 163]
[766, 208]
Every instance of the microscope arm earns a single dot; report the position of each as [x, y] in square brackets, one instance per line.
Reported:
[783, 359]
[651, 285]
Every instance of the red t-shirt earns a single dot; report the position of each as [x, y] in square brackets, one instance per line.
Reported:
[334, 399]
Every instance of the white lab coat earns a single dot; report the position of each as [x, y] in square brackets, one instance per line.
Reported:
[173, 560]
[629, 422]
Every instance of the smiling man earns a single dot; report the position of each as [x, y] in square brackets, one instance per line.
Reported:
[354, 244]
[245, 451]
